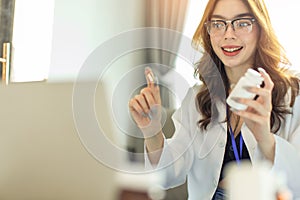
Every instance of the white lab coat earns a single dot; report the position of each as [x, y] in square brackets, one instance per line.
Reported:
[198, 155]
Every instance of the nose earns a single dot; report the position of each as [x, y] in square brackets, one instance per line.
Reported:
[229, 31]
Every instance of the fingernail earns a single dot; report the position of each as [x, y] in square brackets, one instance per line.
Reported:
[150, 77]
[262, 70]
[147, 69]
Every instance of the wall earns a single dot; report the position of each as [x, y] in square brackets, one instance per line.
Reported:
[81, 26]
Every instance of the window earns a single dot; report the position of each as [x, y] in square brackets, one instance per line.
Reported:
[32, 40]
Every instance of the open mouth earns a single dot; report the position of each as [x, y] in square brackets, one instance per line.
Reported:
[231, 50]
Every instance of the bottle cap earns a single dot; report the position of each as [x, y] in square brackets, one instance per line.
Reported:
[256, 75]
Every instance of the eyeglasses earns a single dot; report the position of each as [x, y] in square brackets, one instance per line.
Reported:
[241, 26]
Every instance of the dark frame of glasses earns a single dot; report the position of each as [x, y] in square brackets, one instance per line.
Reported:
[226, 22]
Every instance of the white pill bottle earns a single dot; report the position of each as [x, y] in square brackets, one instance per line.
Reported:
[251, 78]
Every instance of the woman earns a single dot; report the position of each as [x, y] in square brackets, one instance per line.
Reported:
[236, 35]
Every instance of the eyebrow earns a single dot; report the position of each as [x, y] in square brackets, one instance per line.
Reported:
[237, 16]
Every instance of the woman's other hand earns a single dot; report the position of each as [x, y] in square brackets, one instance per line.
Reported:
[257, 115]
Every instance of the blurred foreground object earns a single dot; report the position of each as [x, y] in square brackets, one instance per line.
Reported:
[140, 186]
[249, 182]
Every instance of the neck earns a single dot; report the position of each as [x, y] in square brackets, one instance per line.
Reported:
[234, 74]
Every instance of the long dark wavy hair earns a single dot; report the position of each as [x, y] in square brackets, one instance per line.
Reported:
[269, 55]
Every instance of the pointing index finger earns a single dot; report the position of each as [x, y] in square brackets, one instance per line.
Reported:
[149, 76]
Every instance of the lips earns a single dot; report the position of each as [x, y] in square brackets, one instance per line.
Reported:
[231, 50]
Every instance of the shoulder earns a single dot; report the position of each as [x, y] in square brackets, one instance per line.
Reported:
[293, 93]
[193, 91]
[189, 99]
[196, 88]
[293, 71]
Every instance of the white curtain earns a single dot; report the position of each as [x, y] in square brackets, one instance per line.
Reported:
[166, 15]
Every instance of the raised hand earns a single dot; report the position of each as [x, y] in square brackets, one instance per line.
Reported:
[146, 107]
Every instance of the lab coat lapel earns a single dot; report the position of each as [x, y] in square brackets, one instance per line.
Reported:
[249, 140]
[208, 139]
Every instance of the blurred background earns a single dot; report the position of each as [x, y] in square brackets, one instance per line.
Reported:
[52, 40]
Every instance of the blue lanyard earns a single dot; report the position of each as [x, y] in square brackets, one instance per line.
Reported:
[235, 150]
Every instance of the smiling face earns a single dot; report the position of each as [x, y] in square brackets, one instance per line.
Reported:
[236, 51]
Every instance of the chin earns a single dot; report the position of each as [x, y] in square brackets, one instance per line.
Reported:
[231, 64]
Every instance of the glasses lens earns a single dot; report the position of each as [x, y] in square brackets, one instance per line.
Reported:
[242, 26]
[216, 27]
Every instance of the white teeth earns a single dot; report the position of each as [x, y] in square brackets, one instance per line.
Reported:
[232, 49]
